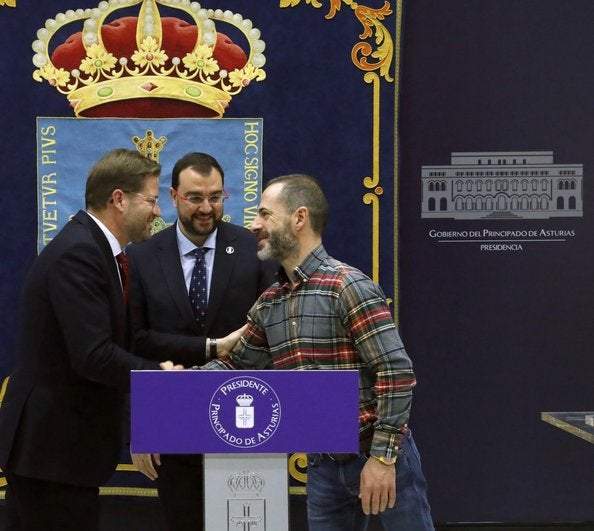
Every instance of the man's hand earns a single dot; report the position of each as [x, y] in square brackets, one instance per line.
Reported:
[169, 366]
[378, 487]
[146, 464]
[225, 344]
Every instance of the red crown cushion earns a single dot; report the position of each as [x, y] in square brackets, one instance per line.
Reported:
[119, 38]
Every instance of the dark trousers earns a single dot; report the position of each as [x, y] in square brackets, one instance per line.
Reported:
[37, 505]
[181, 492]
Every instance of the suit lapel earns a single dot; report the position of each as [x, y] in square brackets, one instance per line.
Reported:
[224, 263]
[173, 274]
[110, 267]
[103, 244]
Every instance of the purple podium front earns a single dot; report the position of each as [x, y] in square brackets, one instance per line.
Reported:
[245, 422]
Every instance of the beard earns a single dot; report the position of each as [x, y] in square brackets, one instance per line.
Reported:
[280, 245]
[200, 226]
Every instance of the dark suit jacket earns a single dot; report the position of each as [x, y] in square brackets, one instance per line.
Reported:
[161, 314]
[61, 419]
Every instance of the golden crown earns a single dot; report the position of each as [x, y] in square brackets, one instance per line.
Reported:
[108, 74]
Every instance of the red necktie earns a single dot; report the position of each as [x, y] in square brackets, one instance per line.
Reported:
[123, 263]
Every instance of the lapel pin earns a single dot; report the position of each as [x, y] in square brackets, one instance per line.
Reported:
[230, 250]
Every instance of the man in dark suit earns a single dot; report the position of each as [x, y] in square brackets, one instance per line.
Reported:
[163, 317]
[61, 419]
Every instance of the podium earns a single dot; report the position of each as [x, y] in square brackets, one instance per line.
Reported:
[245, 422]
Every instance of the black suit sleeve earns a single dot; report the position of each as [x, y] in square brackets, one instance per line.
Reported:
[151, 340]
[90, 312]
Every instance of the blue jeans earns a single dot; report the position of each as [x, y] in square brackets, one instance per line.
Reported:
[333, 489]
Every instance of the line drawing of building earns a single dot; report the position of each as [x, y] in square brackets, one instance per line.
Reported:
[502, 185]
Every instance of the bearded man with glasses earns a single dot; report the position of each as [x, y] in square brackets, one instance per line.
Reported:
[165, 321]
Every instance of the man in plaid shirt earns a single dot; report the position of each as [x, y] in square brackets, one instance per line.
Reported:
[325, 314]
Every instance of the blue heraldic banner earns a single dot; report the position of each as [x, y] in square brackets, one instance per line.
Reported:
[68, 147]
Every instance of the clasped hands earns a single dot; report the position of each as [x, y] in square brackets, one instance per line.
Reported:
[146, 463]
[224, 347]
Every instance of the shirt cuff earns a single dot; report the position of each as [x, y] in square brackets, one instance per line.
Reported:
[386, 444]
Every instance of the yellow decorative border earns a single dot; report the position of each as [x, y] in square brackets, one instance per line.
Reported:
[2, 393]
[128, 491]
[375, 60]
[398, 34]
[383, 55]
[297, 467]
[3, 389]
[8, 3]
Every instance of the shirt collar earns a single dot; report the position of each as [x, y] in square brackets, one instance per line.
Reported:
[113, 241]
[309, 266]
[185, 246]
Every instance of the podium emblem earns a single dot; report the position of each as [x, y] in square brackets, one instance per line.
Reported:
[246, 510]
[247, 514]
[245, 412]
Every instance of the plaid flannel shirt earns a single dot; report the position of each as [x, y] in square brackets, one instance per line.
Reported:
[335, 318]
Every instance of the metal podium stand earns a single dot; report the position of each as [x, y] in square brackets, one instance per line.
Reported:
[245, 422]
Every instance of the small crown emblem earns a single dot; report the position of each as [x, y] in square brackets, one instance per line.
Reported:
[245, 400]
[245, 482]
[148, 60]
[149, 146]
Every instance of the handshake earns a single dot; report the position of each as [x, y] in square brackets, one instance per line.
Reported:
[223, 348]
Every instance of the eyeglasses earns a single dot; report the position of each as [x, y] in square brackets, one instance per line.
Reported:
[198, 199]
[148, 198]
